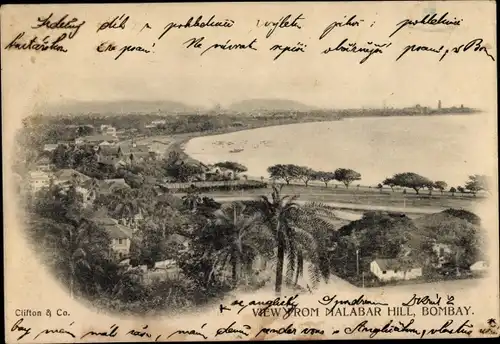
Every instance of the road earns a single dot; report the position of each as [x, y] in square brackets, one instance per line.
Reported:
[346, 206]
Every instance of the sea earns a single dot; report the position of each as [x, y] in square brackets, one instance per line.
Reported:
[447, 147]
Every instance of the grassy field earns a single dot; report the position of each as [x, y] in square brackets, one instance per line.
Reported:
[318, 192]
[365, 196]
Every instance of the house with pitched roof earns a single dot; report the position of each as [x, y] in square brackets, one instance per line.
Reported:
[44, 163]
[37, 180]
[95, 140]
[110, 155]
[67, 176]
[94, 188]
[392, 269]
[135, 153]
[120, 235]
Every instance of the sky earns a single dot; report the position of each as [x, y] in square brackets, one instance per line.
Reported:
[172, 72]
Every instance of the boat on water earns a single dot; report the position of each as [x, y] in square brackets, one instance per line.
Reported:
[237, 150]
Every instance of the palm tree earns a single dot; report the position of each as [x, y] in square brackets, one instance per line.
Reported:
[236, 238]
[73, 243]
[66, 246]
[126, 204]
[297, 231]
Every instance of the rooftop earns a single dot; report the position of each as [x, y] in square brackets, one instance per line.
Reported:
[114, 229]
[68, 174]
[392, 264]
[97, 138]
[109, 150]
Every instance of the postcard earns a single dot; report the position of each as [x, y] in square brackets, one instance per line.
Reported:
[250, 171]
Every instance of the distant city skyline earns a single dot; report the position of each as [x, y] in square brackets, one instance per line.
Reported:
[224, 107]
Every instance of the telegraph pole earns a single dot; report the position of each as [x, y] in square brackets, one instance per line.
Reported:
[357, 262]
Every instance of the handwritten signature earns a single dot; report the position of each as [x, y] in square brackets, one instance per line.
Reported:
[361, 300]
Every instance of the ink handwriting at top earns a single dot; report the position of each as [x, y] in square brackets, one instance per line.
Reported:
[425, 300]
[327, 300]
[111, 46]
[45, 44]
[299, 47]
[199, 23]
[428, 20]
[62, 24]
[351, 22]
[117, 22]
[197, 43]
[475, 45]
[347, 47]
[17, 327]
[282, 23]
[111, 333]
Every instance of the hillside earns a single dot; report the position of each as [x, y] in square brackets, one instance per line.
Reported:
[251, 105]
[119, 107]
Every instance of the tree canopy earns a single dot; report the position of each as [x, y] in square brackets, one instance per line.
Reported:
[346, 176]
[233, 166]
[325, 177]
[477, 183]
[411, 180]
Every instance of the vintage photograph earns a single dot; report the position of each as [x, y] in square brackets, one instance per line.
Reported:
[161, 180]
[162, 207]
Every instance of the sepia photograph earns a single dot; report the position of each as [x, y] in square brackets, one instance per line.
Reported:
[207, 173]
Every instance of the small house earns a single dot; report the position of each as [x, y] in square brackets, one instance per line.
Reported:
[158, 122]
[392, 269]
[135, 153]
[67, 176]
[95, 140]
[121, 236]
[109, 155]
[479, 267]
[44, 163]
[108, 130]
[50, 147]
[38, 180]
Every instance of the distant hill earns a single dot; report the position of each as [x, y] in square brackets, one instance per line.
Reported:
[251, 105]
[119, 107]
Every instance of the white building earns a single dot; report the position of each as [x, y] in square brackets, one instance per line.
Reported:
[108, 130]
[158, 122]
[50, 147]
[38, 180]
[121, 236]
[479, 266]
[443, 252]
[390, 269]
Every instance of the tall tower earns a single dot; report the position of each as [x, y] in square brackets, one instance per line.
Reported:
[439, 104]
